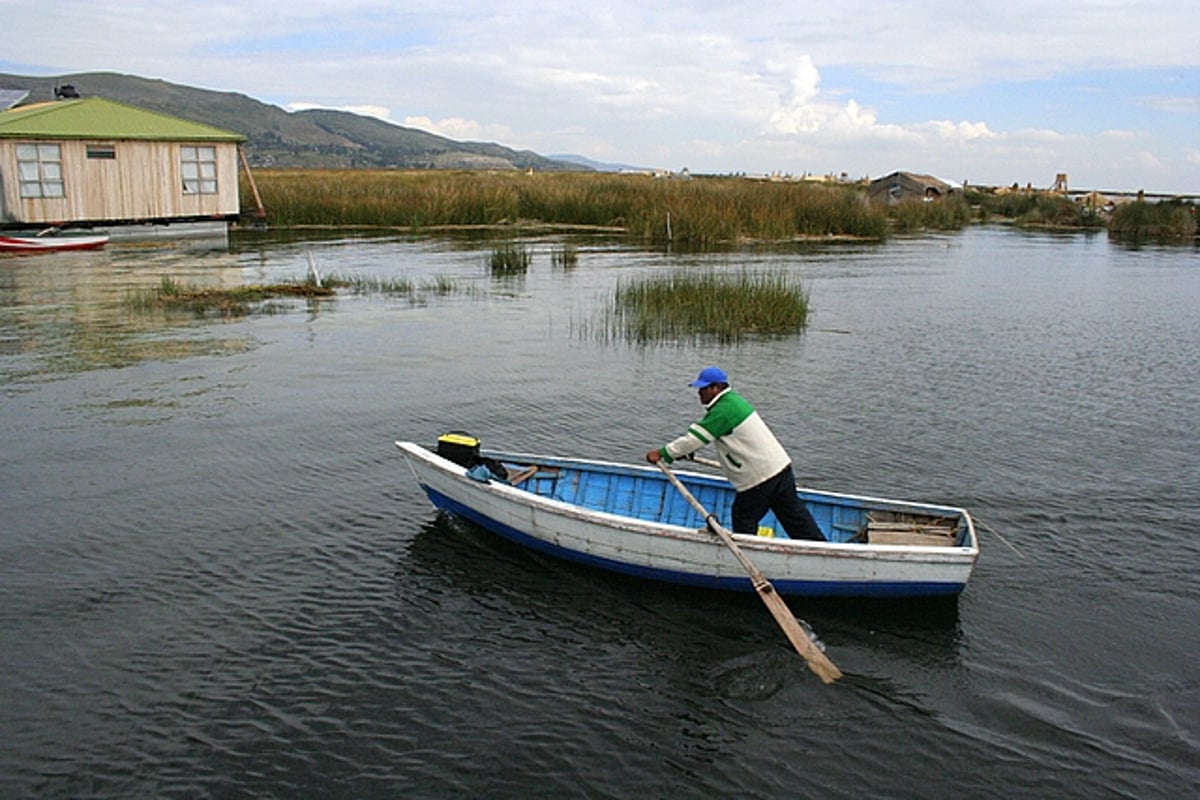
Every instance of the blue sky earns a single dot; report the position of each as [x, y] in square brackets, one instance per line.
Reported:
[1105, 91]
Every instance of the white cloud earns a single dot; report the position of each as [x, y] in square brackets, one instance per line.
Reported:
[378, 112]
[1116, 136]
[1189, 104]
[462, 129]
[818, 87]
[959, 131]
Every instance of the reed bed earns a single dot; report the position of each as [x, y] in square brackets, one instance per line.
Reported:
[239, 301]
[696, 211]
[510, 259]
[566, 256]
[944, 214]
[1142, 221]
[1036, 209]
[705, 303]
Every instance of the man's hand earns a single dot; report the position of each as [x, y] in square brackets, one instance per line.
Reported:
[654, 456]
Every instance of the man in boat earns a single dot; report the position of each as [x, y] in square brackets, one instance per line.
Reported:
[751, 457]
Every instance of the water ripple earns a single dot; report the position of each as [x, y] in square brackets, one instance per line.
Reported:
[217, 579]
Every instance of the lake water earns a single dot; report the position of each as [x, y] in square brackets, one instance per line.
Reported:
[218, 578]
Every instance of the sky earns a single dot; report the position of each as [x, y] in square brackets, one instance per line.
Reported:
[1106, 91]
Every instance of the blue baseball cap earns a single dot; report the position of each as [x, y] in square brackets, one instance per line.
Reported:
[708, 376]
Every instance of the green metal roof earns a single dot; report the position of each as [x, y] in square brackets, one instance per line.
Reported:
[98, 118]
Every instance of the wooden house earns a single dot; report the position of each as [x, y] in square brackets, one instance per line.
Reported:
[93, 161]
[900, 186]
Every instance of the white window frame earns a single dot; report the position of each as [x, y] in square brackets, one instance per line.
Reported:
[198, 165]
[39, 170]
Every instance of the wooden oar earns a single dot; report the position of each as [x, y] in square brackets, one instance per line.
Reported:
[818, 662]
[706, 462]
[524, 475]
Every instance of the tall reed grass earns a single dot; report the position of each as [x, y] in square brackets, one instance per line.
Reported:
[566, 256]
[697, 211]
[943, 214]
[1142, 221]
[510, 259]
[1036, 209]
[706, 303]
[239, 301]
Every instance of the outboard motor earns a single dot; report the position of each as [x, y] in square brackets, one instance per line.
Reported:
[460, 447]
[463, 449]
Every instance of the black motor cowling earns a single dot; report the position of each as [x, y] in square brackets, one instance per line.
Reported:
[460, 447]
[463, 449]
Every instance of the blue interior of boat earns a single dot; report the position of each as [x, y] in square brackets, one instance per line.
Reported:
[650, 496]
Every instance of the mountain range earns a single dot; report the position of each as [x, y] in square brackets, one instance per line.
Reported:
[312, 138]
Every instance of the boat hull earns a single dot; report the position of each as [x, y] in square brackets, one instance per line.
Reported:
[686, 553]
[50, 244]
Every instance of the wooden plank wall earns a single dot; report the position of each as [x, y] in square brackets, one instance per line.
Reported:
[143, 182]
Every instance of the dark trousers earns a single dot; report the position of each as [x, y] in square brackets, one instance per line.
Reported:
[779, 495]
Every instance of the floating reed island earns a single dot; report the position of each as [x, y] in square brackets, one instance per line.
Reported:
[1163, 222]
[696, 211]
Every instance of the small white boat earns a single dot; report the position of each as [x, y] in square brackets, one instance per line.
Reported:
[629, 519]
[50, 244]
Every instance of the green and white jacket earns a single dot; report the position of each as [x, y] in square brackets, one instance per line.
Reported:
[748, 451]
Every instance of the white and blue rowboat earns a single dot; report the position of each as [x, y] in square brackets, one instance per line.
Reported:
[629, 519]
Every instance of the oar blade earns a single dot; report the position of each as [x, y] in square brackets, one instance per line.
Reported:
[817, 661]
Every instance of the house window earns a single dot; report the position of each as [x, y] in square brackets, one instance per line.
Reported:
[105, 151]
[199, 166]
[39, 170]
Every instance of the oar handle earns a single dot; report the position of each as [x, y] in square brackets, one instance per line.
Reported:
[707, 462]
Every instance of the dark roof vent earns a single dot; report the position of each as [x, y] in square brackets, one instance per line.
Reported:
[65, 92]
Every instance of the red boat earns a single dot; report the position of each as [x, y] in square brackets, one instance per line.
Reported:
[50, 244]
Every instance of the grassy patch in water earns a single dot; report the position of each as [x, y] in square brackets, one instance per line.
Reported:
[239, 301]
[364, 285]
[1165, 221]
[566, 256]
[510, 259]
[236, 301]
[707, 303]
